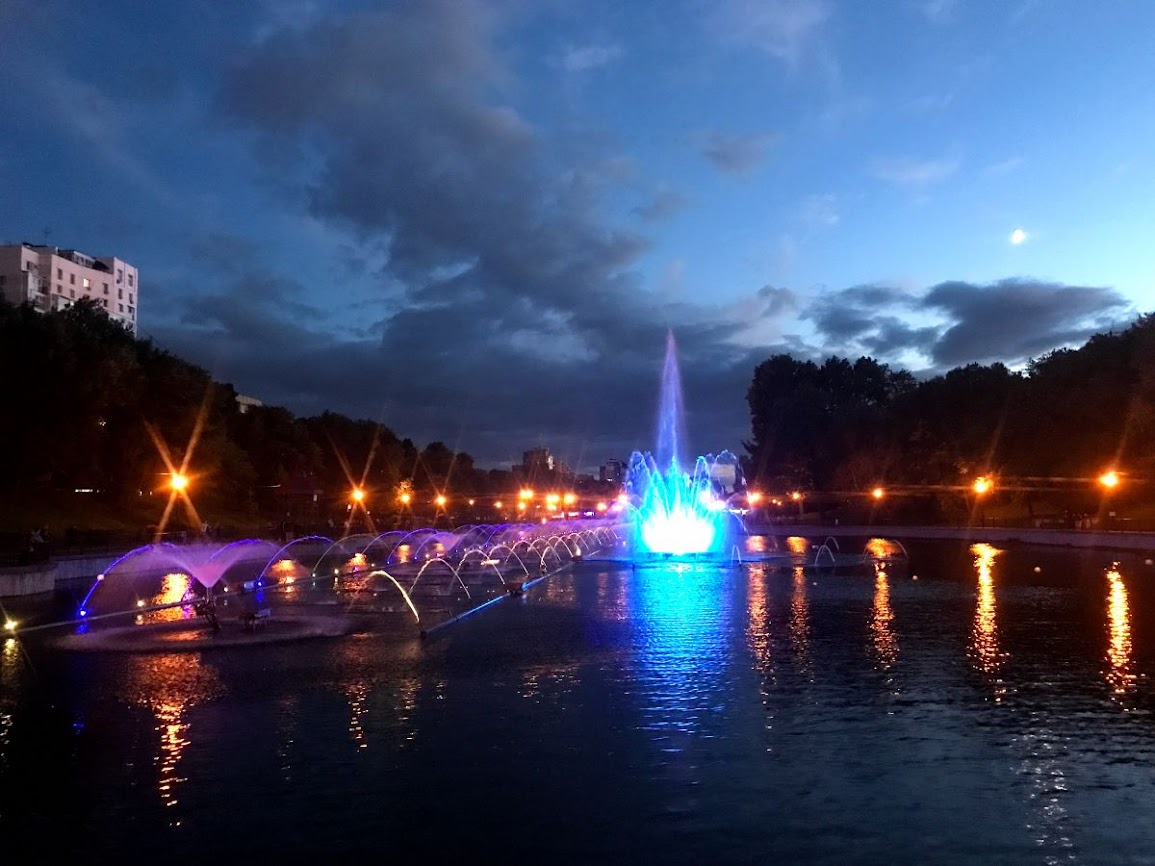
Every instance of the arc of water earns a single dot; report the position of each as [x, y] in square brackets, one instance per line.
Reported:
[400, 588]
[453, 570]
[425, 530]
[166, 546]
[824, 549]
[484, 558]
[276, 556]
[512, 553]
[339, 544]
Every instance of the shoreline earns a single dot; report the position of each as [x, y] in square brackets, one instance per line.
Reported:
[1083, 538]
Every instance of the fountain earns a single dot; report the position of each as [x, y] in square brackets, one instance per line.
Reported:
[674, 512]
[166, 597]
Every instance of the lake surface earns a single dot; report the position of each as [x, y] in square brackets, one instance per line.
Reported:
[960, 708]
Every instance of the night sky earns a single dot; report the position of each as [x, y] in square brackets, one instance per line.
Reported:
[476, 222]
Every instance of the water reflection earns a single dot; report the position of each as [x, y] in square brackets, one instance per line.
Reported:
[683, 638]
[800, 621]
[797, 545]
[756, 544]
[362, 679]
[984, 649]
[758, 620]
[882, 635]
[168, 686]
[175, 587]
[11, 676]
[1120, 675]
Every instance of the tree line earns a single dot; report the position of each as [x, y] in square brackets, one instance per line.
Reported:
[91, 408]
[1045, 434]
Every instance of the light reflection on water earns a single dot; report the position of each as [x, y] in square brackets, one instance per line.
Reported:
[683, 621]
[723, 715]
[11, 678]
[882, 634]
[985, 652]
[169, 685]
[800, 621]
[1120, 675]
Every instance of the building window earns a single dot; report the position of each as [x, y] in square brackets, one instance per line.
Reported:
[72, 293]
[59, 289]
[106, 288]
[104, 303]
[87, 284]
[130, 298]
[119, 276]
[130, 278]
[132, 311]
[72, 279]
[121, 307]
[60, 273]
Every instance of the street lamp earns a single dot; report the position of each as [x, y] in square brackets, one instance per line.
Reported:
[440, 500]
[405, 498]
[358, 495]
[982, 486]
[1109, 479]
[179, 481]
[878, 493]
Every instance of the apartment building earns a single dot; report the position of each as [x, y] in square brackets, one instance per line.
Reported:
[50, 279]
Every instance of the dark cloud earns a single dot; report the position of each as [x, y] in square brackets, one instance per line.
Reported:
[507, 309]
[521, 319]
[736, 154]
[664, 204]
[1018, 319]
[1010, 321]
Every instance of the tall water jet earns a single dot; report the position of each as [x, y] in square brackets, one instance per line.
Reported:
[671, 415]
[674, 512]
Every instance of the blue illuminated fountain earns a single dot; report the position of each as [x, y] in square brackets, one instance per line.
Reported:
[675, 512]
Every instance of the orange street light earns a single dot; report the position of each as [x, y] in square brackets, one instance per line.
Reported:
[405, 498]
[525, 493]
[878, 493]
[440, 500]
[753, 497]
[982, 485]
[795, 495]
[1109, 479]
[497, 504]
[470, 501]
[179, 481]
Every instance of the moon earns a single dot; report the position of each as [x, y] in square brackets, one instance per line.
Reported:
[1018, 237]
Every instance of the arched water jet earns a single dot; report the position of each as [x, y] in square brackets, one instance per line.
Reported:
[452, 570]
[380, 572]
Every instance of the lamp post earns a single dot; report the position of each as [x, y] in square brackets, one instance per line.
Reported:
[982, 486]
[1109, 480]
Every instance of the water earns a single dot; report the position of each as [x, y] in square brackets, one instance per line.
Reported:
[983, 713]
[675, 511]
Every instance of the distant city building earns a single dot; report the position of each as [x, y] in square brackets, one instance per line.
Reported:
[612, 471]
[52, 279]
[244, 404]
[536, 460]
